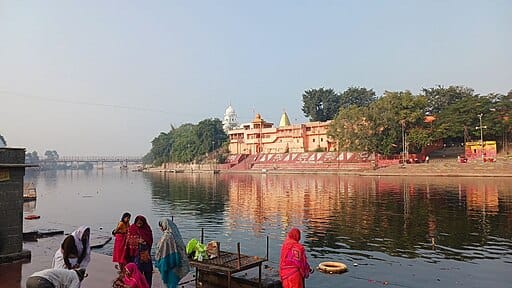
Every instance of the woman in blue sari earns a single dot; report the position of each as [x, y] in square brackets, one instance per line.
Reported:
[171, 259]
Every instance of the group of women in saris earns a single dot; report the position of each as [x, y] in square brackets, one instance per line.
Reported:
[132, 250]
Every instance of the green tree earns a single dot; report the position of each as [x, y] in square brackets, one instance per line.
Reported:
[353, 130]
[393, 112]
[439, 97]
[161, 149]
[187, 143]
[320, 104]
[357, 96]
[51, 155]
[211, 135]
[31, 157]
[378, 127]
[460, 119]
[503, 109]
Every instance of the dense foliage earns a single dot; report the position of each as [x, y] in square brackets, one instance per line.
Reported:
[376, 125]
[32, 157]
[323, 104]
[187, 143]
[320, 104]
[51, 155]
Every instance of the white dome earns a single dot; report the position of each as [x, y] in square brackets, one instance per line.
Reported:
[230, 119]
[229, 110]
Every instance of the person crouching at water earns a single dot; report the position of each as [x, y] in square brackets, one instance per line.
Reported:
[56, 278]
[75, 250]
[293, 265]
[120, 233]
[138, 247]
[171, 258]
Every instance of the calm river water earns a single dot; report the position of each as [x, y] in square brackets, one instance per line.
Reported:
[393, 231]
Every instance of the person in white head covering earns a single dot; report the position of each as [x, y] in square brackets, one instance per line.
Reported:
[75, 250]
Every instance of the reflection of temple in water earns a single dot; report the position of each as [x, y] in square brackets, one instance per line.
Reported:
[292, 199]
[482, 198]
[360, 207]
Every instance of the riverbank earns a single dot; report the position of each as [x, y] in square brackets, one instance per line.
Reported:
[448, 168]
[102, 273]
[101, 269]
[443, 167]
[392, 242]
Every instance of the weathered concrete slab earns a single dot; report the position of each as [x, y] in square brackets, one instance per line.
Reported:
[99, 241]
[245, 279]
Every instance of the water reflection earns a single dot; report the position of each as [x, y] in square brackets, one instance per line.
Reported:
[29, 206]
[420, 225]
[397, 216]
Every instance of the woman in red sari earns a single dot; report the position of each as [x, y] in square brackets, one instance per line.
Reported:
[133, 278]
[293, 266]
[138, 247]
[120, 240]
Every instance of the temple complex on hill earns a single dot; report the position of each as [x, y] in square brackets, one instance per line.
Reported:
[260, 136]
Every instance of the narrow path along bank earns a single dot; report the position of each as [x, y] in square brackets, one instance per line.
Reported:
[448, 167]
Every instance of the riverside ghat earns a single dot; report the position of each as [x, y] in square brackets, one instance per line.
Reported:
[409, 225]
[219, 271]
[16, 264]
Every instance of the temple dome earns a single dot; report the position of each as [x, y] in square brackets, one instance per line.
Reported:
[229, 110]
[285, 121]
[230, 120]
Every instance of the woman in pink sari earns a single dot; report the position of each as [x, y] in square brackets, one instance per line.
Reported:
[120, 233]
[133, 278]
[293, 266]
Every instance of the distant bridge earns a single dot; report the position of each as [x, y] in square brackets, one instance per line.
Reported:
[97, 159]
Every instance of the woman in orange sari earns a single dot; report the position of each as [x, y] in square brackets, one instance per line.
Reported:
[293, 266]
[120, 233]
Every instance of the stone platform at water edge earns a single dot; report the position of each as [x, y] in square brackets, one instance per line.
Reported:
[101, 269]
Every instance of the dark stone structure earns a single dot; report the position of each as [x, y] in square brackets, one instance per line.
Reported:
[12, 170]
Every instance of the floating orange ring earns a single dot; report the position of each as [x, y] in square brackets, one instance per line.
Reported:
[332, 267]
[32, 217]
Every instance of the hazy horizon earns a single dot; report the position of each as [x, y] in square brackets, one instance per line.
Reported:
[105, 78]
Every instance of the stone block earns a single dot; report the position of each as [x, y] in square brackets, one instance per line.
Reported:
[12, 155]
[11, 205]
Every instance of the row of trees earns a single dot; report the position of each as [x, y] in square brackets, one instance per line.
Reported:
[33, 157]
[49, 161]
[324, 104]
[188, 143]
[364, 122]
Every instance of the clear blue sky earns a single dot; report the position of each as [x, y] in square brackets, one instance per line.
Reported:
[106, 77]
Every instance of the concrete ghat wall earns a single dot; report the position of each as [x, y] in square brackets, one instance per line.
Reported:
[11, 203]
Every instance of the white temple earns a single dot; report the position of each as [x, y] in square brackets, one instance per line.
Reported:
[230, 119]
